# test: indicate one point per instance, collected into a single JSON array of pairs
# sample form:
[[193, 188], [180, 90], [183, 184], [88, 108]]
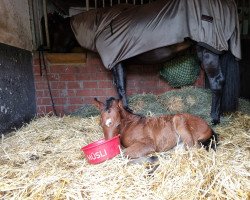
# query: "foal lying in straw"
[[142, 135]]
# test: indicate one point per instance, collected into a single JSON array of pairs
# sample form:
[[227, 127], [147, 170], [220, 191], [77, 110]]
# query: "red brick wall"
[[72, 86]]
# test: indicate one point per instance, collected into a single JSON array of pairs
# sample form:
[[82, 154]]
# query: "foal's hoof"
[[152, 170], [153, 159], [144, 160], [150, 162], [215, 121]]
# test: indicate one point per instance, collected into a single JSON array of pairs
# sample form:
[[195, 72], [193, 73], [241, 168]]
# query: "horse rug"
[[124, 31]]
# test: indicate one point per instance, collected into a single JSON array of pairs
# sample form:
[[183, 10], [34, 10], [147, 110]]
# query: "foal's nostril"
[[108, 136]]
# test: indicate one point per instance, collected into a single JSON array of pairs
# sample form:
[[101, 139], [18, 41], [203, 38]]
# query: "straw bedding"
[[43, 160]]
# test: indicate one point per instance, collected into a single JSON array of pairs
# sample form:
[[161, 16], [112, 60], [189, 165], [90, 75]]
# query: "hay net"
[[181, 71]]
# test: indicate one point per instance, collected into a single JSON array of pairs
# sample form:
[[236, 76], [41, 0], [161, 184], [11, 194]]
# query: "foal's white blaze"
[[108, 122]]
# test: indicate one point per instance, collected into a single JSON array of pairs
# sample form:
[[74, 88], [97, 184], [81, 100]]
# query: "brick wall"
[[72, 86]]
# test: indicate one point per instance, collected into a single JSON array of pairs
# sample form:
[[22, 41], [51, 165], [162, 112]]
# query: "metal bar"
[[111, 3], [134, 2], [46, 22], [38, 15], [141, 1], [103, 3], [95, 4], [32, 25], [87, 5]]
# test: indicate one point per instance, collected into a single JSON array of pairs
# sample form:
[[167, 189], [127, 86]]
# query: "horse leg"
[[230, 69], [119, 77], [216, 80]]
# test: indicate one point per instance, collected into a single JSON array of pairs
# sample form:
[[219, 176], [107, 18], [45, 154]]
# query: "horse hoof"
[[128, 109]]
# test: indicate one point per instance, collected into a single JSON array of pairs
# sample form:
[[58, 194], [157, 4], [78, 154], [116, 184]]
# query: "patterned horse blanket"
[[124, 31]]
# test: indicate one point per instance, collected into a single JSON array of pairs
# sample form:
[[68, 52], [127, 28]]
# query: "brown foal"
[[142, 135]]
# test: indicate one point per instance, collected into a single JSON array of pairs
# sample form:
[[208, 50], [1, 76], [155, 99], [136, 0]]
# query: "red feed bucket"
[[102, 150]]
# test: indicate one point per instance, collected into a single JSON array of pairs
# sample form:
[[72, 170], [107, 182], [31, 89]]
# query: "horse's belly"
[[160, 55]]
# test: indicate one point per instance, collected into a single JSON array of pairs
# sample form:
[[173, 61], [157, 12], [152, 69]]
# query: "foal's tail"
[[230, 94], [212, 142]]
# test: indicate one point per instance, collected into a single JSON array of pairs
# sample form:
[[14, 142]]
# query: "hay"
[[86, 111], [191, 99], [146, 104], [43, 161], [244, 106]]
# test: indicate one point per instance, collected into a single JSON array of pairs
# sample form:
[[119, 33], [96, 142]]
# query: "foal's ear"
[[98, 104], [120, 104]]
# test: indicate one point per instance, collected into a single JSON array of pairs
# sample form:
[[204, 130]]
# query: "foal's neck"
[[129, 116]]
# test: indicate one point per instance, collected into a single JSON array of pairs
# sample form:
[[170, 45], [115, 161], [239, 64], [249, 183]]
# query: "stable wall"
[[74, 85], [17, 91], [15, 24]]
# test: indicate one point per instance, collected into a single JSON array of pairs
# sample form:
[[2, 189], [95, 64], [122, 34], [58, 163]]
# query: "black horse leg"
[[212, 68], [119, 77]]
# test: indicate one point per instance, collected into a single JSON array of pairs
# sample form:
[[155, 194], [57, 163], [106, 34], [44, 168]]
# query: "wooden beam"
[[66, 58]]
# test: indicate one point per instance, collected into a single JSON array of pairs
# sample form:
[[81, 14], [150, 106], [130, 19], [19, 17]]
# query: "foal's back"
[[191, 128], [167, 131]]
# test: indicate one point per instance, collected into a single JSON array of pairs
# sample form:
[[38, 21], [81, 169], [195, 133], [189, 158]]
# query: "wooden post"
[[46, 22]]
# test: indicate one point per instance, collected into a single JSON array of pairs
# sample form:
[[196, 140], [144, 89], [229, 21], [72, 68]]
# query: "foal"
[[142, 135]]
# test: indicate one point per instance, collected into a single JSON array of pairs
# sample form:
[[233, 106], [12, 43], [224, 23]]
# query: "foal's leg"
[[140, 149], [212, 68], [180, 127], [119, 76]]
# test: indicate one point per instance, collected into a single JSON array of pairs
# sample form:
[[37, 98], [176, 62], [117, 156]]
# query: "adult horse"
[[142, 135], [155, 33]]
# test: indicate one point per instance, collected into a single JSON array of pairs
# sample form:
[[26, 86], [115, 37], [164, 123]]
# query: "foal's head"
[[110, 116]]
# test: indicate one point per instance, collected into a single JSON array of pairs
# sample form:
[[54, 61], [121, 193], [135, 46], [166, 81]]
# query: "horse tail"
[[230, 94], [212, 142]]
